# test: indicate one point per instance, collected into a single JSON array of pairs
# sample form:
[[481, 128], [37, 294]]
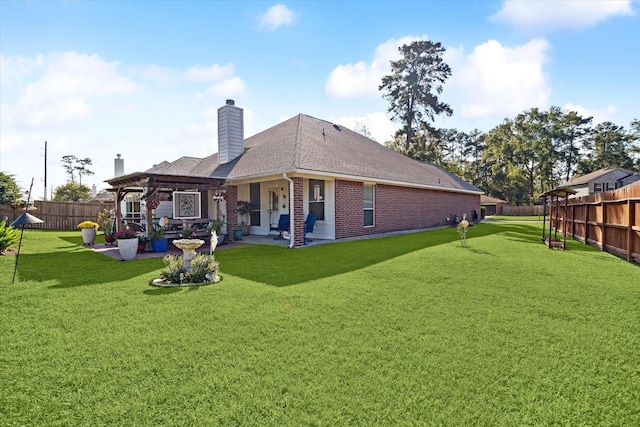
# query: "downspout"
[[292, 241]]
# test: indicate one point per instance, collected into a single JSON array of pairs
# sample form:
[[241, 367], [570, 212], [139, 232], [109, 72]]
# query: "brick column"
[[298, 210], [232, 202]]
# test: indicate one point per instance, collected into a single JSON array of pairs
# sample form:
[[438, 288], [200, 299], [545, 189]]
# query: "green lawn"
[[406, 330], [515, 218]]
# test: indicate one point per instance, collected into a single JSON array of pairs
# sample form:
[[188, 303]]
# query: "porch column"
[[298, 210], [232, 201]]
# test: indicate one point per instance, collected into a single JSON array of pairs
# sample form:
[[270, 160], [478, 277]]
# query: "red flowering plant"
[[125, 234]]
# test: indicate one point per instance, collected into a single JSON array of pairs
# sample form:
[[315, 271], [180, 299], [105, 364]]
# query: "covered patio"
[[155, 188]]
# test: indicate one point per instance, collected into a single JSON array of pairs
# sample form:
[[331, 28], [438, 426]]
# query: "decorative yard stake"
[[462, 230]]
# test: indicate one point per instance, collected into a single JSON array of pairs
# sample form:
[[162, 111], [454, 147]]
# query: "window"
[[254, 199], [368, 204], [611, 186], [316, 198], [597, 187], [132, 206]]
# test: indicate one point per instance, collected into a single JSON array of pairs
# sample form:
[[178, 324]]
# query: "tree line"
[[517, 160]]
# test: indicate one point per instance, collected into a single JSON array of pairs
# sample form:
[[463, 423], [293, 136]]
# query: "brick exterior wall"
[[232, 201], [398, 208], [298, 211]]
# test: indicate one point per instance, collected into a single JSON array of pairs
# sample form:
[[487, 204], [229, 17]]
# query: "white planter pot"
[[128, 248], [88, 235]]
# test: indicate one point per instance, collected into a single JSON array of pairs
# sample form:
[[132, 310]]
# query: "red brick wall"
[[232, 201], [298, 211], [398, 208]]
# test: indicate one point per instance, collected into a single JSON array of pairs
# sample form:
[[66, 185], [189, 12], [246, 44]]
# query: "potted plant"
[[187, 231], [143, 238], [88, 229], [107, 225], [244, 210], [127, 243], [158, 239], [217, 225]]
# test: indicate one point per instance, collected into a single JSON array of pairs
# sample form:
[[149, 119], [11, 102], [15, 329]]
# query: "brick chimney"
[[230, 132]]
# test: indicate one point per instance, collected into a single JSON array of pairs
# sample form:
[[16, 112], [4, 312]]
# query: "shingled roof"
[[585, 179], [306, 144]]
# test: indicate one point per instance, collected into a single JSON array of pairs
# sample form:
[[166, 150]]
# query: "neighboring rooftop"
[[585, 179]]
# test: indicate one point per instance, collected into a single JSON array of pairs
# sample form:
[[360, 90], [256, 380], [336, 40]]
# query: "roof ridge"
[[297, 144]]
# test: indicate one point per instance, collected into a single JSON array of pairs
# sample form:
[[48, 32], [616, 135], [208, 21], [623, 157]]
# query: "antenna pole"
[[45, 171]]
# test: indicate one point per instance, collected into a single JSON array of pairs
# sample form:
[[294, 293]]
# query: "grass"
[[515, 218], [405, 330]]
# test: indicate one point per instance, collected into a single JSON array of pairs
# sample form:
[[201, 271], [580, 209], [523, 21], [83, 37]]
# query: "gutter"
[[291, 222]]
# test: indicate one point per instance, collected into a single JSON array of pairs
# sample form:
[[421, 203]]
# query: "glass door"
[[274, 207]]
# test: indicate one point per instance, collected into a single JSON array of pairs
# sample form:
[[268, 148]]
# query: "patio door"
[[274, 207]]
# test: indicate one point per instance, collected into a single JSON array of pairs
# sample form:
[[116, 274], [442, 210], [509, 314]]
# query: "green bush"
[[8, 236], [172, 268], [202, 265]]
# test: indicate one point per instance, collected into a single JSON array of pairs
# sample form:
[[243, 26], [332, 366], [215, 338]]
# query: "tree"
[[610, 147], [635, 145], [9, 190], [72, 192], [571, 131], [414, 84], [72, 164], [82, 168], [68, 163]]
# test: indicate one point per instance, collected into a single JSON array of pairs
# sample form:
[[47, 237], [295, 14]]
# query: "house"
[[492, 205], [354, 185], [605, 179]]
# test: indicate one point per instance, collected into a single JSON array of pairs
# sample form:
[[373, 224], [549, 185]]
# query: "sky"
[[144, 79]]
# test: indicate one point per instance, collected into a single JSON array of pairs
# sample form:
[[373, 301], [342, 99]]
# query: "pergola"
[[559, 192], [156, 187]]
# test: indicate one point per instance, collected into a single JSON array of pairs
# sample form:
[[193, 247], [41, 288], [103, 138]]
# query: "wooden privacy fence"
[[522, 210], [58, 215], [609, 220]]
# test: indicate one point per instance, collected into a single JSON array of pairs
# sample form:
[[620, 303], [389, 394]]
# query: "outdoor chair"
[[309, 223], [283, 225], [135, 226]]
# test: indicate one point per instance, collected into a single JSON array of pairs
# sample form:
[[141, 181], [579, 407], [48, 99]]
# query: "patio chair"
[[309, 223], [283, 225], [135, 226]]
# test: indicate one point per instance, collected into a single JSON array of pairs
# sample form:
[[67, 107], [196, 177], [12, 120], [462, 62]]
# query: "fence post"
[[604, 223], [631, 212]]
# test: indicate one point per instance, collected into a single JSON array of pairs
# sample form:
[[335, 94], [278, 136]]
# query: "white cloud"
[[599, 116], [276, 17], [494, 81], [14, 68], [231, 87], [212, 73], [155, 73], [560, 13], [64, 91], [363, 79], [377, 125]]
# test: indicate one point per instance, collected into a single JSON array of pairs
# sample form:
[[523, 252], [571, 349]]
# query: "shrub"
[[204, 269], [204, 265], [173, 268], [8, 236]]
